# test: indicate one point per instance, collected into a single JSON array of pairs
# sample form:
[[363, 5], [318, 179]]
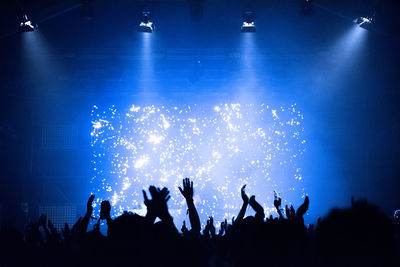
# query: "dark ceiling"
[[386, 11]]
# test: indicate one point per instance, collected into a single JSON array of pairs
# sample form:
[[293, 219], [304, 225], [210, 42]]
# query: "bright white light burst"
[[220, 148]]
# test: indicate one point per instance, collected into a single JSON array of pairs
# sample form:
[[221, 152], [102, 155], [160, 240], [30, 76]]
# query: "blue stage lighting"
[[146, 25], [248, 23], [26, 24], [365, 22]]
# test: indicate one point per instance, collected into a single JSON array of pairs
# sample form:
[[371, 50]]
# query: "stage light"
[[26, 24], [146, 25], [248, 23], [365, 22], [307, 7]]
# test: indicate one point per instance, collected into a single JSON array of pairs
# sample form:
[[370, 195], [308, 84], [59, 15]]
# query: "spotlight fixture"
[[26, 24], [248, 23], [306, 7], [146, 25], [365, 22]]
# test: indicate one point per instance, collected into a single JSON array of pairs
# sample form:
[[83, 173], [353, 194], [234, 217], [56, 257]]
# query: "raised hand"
[[257, 208], [164, 194], [159, 206], [158, 203], [303, 207], [277, 203], [85, 221], [302, 210], [163, 197], [211, 227], [255, 205], [89, 207], [151, 211], [290, 212], [146, 201], [222, 229], [187, 190], [187, 193], [245, 198]]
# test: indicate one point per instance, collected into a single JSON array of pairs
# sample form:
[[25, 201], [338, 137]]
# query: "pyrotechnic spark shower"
[[219, 147]]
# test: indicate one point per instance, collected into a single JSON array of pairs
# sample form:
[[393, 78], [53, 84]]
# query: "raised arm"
[[150, 214], [245, 199], [187, 193], [160, 198], [257, 208], [277, 204], [302, 210], [89, 209]]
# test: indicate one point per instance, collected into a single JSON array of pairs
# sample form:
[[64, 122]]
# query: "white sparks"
[[97, 125], [166, 124], [134, 108], [274, 114], [219, 147], [141, 162], [155, 139], [114, 199], [126, 184]]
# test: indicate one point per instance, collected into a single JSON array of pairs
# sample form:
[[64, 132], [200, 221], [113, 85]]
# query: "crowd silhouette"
[[360, 235]]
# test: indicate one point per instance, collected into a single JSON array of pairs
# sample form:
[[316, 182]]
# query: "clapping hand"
[[290, 212], [158, 203], [210, 228], [257, 207], [303, 207]]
